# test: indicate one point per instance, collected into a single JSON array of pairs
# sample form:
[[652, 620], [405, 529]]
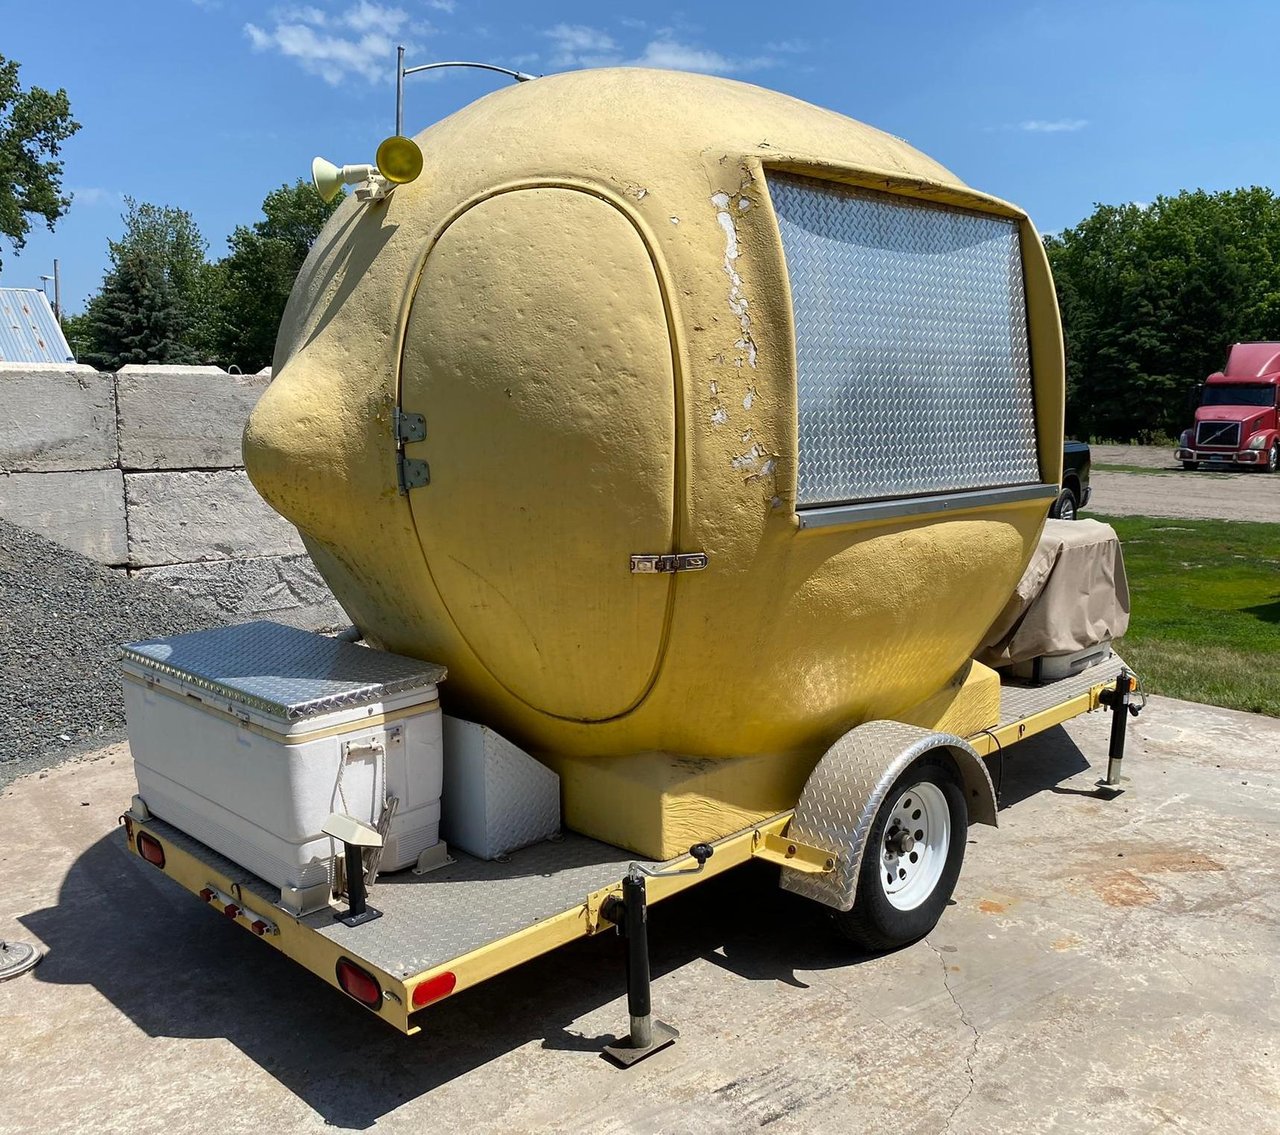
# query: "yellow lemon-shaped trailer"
[[653, 320]]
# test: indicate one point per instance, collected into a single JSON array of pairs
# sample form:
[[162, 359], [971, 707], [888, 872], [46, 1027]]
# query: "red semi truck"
[[1237, 421]]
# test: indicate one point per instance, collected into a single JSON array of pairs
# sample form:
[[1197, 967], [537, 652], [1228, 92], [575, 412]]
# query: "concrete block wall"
[[141, 471]]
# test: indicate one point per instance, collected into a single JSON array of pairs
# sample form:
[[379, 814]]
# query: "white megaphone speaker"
[[329, 178]]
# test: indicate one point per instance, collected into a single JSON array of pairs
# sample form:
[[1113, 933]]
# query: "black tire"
[[1191, 466], [875, 924], [1065, 507]]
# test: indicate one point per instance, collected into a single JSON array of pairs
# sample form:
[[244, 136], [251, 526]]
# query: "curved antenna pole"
[[402, 71]]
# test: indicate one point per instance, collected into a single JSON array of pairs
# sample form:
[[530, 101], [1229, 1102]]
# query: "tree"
[[1151, 299], [170, 239], [33, 126], [259, 272], [159, 260], [133, 318]]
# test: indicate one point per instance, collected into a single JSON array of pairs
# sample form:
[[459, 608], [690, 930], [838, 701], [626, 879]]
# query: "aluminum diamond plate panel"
[[432, 919], [843, 794], [287, 673], [1017, 702], [913, 365]]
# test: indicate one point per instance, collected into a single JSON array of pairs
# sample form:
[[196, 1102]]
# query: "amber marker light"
[[399, 159]]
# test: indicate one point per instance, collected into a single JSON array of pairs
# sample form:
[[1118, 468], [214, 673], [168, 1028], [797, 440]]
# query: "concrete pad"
[[81, 511], [181, 517], [184, 417], [1105, 965], [58, 417], [287, 589]]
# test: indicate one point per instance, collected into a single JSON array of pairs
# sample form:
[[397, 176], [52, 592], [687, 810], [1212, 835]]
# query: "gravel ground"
[[63, 619], [1202, 495]]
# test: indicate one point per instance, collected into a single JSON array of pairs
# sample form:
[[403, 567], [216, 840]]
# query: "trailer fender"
[[849, 783]]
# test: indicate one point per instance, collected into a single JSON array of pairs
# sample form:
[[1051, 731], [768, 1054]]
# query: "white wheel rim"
[[913, 850]]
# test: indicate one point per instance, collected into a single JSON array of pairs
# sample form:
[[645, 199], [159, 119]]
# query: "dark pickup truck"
[[1075, 481]]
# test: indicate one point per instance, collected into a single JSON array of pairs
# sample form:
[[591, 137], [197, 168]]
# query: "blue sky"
[[210, 104]]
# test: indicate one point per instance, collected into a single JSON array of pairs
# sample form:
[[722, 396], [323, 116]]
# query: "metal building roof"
[[28, 331]]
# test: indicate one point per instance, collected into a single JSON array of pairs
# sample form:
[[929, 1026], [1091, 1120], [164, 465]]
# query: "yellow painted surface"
[[551, 295], [967, 704], [659, 805]]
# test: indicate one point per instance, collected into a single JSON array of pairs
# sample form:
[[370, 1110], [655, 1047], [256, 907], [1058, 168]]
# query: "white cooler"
[[248, 737]]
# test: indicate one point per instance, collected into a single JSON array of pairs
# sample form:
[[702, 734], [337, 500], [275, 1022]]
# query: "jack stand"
[[631, 913], [358, 909], [1117, 700]]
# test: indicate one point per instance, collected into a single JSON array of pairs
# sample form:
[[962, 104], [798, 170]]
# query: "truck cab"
[[1237, 422]]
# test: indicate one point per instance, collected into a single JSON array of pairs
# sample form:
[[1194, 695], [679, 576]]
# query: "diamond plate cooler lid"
[[284, 672]]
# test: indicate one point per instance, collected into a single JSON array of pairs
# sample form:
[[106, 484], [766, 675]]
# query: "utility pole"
[[57, 293]]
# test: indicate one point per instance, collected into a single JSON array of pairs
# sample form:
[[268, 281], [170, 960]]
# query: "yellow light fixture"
[[399, 159]]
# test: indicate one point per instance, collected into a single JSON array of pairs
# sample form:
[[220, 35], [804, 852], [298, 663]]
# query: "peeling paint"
[[744, 204], [674, 220], [737, 301], [715, 388], [719, 416], [749, 398]]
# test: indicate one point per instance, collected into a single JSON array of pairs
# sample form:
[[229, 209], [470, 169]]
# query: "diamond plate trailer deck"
[[459, 925]]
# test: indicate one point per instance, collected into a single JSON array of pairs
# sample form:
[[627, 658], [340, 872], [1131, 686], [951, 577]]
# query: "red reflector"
[[231, 910], [433, 989], [358, 984], [207, 895], [258, 927], [150, 850]]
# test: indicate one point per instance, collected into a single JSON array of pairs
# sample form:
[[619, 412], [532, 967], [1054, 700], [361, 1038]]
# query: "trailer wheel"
[[912, 860]]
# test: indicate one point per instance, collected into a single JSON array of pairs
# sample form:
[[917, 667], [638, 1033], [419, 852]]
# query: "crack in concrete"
[[964, 1018]]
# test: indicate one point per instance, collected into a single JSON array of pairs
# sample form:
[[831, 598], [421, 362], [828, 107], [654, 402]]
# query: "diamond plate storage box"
[[497, 798], [248, 737]]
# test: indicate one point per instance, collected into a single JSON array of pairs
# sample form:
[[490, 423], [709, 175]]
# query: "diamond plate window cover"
[[913, 365]]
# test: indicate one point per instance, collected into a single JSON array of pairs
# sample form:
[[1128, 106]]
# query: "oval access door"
[[537, 350]]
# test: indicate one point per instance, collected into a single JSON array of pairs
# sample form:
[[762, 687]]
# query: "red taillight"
[[231, 910], [358, 984], [433, 989], [259, 927], [150, 849], [206, 894]]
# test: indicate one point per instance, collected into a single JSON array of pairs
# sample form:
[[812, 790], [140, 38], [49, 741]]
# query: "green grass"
[[1205, 621], [1229, 471]]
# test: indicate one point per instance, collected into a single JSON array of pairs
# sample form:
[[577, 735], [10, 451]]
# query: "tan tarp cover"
[[1073, 595]]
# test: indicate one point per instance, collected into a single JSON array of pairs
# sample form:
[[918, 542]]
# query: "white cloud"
[[94, 195], [576, 45], [674, 56], [446, 6], [359, 40], [1053, 126]]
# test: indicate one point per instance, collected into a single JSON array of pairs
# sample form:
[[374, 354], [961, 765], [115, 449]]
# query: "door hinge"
[[410, 427], [410, 473], [665, 565], [413, 474]]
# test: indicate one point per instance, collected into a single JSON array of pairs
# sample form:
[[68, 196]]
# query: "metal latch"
[[665, 565]]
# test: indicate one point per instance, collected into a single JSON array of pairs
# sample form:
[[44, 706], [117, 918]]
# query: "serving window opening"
[[912, 361]]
